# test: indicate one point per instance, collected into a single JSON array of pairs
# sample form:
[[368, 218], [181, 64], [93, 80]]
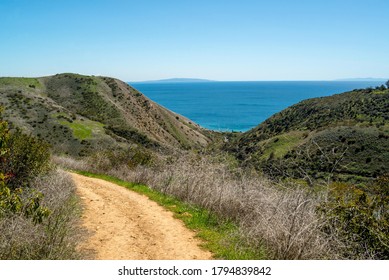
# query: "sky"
[[243, 40]]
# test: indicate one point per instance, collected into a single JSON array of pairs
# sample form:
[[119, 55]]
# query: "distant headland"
[[177, 80]]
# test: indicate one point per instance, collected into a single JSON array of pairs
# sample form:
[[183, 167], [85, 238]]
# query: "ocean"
[[239, 106]]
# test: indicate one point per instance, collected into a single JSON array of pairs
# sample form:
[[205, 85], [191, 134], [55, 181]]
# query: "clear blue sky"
[[213, 39]]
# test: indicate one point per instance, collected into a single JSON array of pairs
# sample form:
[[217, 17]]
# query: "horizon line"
[[201, 80]]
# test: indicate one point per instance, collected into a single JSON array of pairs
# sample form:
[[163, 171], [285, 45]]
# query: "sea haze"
[[239, 106]]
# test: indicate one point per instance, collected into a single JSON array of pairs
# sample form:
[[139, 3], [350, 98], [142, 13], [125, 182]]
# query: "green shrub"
[[18, 163], [22, 158], [132, 135], [360, 219], [27, 203]]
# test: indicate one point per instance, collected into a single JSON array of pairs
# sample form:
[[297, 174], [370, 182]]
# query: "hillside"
[[345, 136], [78, 114]]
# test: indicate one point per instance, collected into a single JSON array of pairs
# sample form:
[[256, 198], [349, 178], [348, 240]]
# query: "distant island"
[[176, 80]]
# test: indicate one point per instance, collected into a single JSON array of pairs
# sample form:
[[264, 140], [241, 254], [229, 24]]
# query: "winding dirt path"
[[126, 225]]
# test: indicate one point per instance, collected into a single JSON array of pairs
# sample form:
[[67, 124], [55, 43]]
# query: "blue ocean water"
[[239, 106]]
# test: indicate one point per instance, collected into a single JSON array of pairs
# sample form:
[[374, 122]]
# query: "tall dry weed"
[[56, 237]]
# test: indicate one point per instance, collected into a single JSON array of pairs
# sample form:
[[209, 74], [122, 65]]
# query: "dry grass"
[[278, 219], [56, 237]]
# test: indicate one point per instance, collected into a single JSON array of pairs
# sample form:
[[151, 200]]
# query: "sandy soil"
[[126, 225]]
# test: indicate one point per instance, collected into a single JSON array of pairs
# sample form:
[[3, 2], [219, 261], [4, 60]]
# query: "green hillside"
[[344, 136], [79, 114]]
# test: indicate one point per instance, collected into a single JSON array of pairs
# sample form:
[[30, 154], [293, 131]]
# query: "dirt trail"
[[126, 225]]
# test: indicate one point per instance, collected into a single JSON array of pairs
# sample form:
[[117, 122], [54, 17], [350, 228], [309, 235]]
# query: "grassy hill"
[[345, 136], [78, 114]]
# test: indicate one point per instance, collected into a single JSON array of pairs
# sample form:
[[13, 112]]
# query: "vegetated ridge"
[[78, 114], [345, 136]]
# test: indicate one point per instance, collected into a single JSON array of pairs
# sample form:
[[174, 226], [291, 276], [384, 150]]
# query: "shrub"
[[54, 237], [359, 219], [22, 157], [21, 202], [132, 135]]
